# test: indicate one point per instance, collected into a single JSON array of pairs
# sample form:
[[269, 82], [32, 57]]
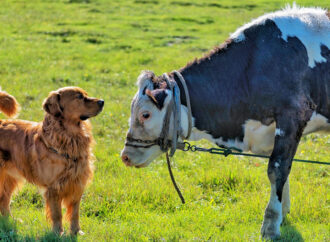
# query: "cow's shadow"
[[289, 232], [8, 232]]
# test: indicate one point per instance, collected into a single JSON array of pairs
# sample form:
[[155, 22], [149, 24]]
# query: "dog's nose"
[[126, 160], [100, 103]]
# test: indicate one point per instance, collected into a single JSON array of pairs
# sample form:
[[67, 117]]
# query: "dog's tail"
[[8, 104]]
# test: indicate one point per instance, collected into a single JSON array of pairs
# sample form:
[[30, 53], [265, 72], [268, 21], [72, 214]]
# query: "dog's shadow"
[[8, 232]]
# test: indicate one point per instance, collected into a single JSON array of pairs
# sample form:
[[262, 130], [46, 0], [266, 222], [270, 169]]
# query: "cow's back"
[[277, 64], [290, 57]]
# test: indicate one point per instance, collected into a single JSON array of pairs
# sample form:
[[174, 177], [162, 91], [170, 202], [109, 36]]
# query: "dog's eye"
[[80, 96]]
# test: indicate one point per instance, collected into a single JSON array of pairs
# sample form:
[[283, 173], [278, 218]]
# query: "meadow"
[[102, 46]]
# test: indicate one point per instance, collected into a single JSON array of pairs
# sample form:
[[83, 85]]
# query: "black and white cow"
[[260, 91]]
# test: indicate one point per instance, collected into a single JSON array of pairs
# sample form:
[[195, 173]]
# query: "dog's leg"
[[73, 215], [53, 210], [72, 204], [7, 187]]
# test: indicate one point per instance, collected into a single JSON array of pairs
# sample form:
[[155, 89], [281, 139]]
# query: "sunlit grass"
[[102, 46]]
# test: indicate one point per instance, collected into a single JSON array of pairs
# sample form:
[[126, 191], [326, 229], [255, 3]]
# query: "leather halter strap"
[[174, 110]]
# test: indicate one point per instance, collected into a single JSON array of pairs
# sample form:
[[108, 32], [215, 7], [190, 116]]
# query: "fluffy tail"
[[8, 104]]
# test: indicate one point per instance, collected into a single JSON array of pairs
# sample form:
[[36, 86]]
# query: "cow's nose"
[[100, 103], [126, 160]]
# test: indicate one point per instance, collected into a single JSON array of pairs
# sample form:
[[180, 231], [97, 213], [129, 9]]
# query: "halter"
[[174, 107]]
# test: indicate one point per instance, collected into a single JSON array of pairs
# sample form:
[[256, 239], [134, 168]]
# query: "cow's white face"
[[148, 110]]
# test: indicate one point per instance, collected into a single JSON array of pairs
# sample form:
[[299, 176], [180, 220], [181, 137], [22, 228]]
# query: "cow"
[[260, 91]]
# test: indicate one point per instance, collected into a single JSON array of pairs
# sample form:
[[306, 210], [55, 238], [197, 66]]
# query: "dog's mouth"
[[100, 110], [92, 114], [84, 117]]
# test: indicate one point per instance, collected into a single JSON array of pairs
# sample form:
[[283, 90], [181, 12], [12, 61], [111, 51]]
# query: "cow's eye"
[[80, 96], [145, 116]]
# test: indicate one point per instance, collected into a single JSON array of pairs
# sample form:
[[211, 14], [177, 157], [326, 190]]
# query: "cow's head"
[[148, 111]]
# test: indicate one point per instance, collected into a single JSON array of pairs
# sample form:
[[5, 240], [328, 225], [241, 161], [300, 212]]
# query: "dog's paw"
[[58, 231], [19, 220], [77, 231]]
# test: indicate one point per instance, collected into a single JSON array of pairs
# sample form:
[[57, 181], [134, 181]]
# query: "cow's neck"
[[195, 133], [213, 82]]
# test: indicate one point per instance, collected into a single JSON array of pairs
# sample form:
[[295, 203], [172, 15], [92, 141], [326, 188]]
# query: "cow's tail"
[[8, 104]]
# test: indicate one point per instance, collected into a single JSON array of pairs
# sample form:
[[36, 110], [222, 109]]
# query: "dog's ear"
[[52, 104]]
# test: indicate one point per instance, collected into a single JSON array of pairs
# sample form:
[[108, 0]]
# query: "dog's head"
[[72, 104]]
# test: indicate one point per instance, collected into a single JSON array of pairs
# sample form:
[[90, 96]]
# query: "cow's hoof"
[[285, 214], [270, 230], [285, 211]]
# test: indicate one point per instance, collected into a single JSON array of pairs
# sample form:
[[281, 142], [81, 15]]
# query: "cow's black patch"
[[253, 79], [160, 96], [318, 84]]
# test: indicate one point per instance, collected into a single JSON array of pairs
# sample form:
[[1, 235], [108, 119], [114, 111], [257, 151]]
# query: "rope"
[[186, 146], [173, 180], [229, 151]]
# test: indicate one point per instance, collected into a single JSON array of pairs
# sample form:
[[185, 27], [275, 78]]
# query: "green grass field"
[[102, 46]]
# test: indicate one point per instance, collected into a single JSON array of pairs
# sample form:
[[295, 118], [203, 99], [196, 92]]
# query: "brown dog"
[[54, 154]]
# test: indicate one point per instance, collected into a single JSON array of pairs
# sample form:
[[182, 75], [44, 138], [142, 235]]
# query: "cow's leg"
[[289, 131], [286, 198]]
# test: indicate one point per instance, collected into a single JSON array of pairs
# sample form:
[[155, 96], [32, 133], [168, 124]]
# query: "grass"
[[102, 46]]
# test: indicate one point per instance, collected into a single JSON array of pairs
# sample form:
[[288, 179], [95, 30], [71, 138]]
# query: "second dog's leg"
[[7, 187], [53, 210]]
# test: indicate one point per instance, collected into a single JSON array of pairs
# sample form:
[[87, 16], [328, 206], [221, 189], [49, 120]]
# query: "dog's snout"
[[100, 103]]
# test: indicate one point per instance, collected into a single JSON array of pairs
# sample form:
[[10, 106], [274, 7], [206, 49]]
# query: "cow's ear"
[[157, 96], [151, 96]]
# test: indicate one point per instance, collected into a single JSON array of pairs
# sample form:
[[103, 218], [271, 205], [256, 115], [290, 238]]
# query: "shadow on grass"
[[289, 232], [8, 232]]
